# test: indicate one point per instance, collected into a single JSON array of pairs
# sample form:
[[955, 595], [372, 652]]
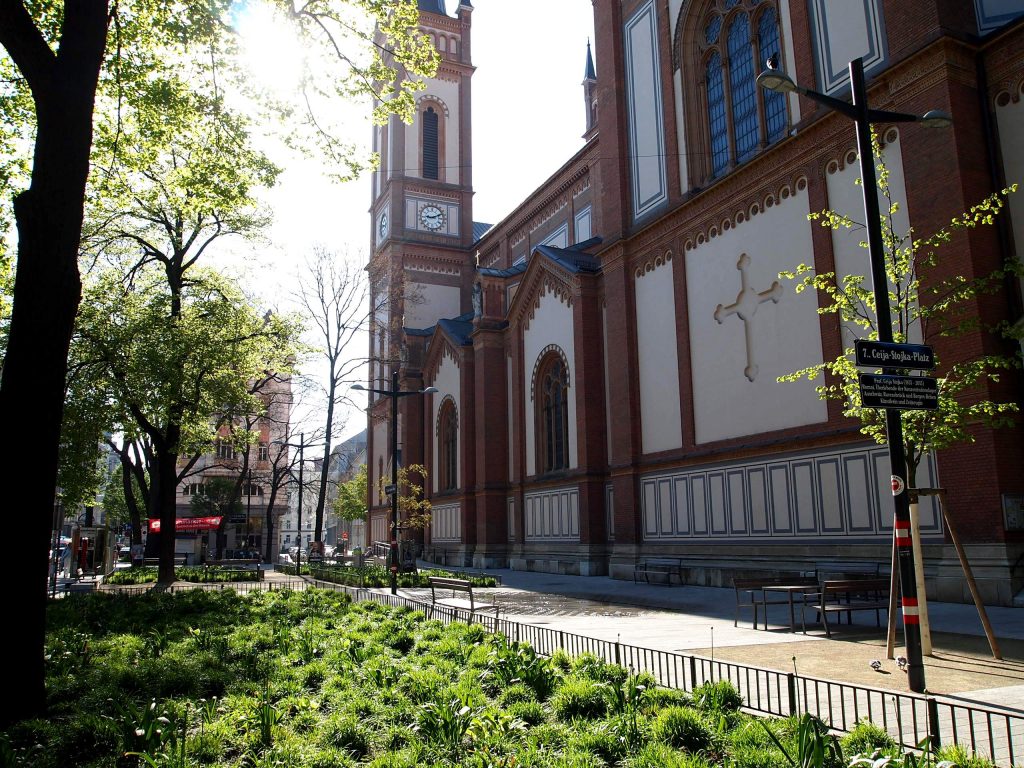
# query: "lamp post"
[[394, 393], [863, 116], [248, 508]]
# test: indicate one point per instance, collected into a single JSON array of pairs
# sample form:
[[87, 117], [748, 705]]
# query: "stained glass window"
[[774, 103], [738, 38], [554, 415], [741, 86], [717, 123]]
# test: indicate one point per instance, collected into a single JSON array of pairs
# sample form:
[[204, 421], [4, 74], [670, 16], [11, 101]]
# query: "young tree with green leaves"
[[351, 501], [924, 306], [169, 363]]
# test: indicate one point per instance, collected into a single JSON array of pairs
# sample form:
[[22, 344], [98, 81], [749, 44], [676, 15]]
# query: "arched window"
[[552, 388], [448, 447], [430, 143], [720, 51]]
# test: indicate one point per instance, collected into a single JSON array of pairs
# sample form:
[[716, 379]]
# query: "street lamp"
[[394, 393], [863, 116]]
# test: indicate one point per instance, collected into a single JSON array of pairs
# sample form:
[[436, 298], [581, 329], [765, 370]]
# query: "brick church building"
[[606, 358]]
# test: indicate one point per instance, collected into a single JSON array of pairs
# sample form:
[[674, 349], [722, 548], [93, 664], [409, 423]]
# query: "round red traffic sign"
[[897, 485]]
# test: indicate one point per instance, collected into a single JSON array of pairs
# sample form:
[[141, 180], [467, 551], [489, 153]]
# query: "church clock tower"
[[422, 231]]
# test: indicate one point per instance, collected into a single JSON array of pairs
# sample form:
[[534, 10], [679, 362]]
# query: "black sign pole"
[[893, 422]]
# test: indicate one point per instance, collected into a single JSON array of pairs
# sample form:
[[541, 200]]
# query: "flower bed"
[[310, 680], [201, 574]]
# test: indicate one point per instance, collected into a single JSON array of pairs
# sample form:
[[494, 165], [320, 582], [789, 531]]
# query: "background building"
[[607, 355]]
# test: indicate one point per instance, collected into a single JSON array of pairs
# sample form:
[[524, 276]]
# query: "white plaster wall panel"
[[860, 517], [582, 223], [699, 504], [673, 12], [448, 94], [682, 520], [737, 508], [446, 523], [830, 499], [845, 197], [716, 486], [1010, 122], [379, 529], [551, 324], [559, 238], [783, 336], [650, 509], [665, 505], [757, 501], [644, 111], [834, 494], [430, 303], [447, 381], [844, 30], [660, 421], [992, 14], [552, 514], [781, 507]]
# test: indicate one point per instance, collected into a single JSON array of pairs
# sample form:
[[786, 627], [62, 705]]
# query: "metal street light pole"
[[298, 550], [863, 116], [394, 393], [248, 509]]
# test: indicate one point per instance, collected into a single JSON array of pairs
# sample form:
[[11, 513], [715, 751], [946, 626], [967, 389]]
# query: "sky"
[[528, 119]]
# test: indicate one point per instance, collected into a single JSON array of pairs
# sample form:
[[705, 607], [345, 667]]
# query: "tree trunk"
[[326, 467], [165, 486], [47, 291]]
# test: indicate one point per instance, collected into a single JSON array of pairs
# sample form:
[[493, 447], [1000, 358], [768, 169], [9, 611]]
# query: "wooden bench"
[[755, 593], [457, 586], [154, 562], [243, 563], [848, 595], [662, 566]]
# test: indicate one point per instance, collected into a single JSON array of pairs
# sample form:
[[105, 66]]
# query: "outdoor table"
[[789, 590]]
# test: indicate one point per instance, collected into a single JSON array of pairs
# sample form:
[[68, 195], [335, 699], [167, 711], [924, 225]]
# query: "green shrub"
[[530, 712], [579, 699], [593, 667], [866, 737], [961, 758], [684, 728], [720, 696], [344, 732], [516, 693], [657, 755], [655, 699], [600, 741]]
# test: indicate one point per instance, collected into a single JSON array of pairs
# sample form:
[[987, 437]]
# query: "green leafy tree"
[[217, 496], [351, 501], [926, 306], [64, 68], [169, 363], [413, 508]]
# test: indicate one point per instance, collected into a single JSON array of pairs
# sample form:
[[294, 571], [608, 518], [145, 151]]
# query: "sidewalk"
[[699, 620]]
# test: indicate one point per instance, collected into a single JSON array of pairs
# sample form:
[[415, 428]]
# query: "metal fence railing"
[[997, 734]]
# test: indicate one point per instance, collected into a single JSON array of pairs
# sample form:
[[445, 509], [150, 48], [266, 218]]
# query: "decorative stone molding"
[[651, 263], [427, 99], [710, 228], [550, 348], [440, 347], [440, 408]]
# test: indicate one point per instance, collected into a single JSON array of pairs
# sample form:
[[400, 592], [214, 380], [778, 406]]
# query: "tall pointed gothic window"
[[552, 387], [448, 447], [731, 43], [430, 144]]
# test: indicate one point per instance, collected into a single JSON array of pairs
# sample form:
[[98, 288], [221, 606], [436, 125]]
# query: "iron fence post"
[[791, 687], [934, 736]]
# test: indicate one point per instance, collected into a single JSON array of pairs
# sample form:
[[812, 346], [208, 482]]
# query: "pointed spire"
[[588, 73]]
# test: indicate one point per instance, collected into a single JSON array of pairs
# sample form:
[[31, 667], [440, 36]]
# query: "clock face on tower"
[[431, 217], [382, 227]]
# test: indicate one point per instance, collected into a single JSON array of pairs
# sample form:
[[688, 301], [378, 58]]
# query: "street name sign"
[[886, 354], [901, 393]]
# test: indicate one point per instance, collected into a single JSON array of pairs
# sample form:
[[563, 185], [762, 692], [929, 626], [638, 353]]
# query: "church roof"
[[433, 6], [573, 259], [458, 328], [480, 229]]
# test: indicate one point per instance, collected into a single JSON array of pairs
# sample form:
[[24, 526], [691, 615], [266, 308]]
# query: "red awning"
[[189, 524]]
